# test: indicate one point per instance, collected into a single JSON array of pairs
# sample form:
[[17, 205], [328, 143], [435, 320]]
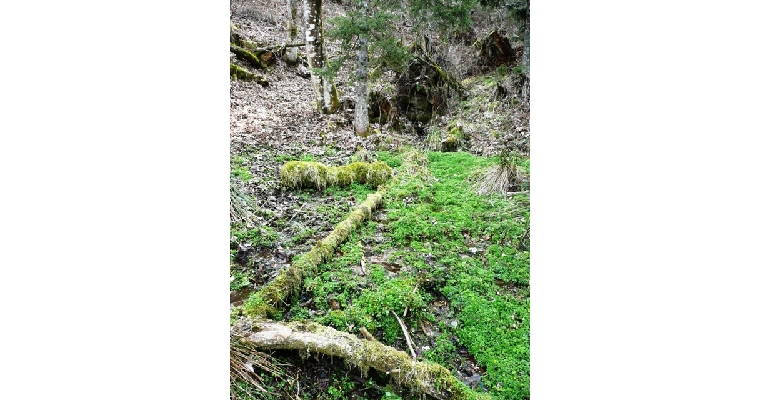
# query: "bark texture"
[[291, 11], [526, 49], [361, 117], [325, 92], [238, 72], [312, 338]]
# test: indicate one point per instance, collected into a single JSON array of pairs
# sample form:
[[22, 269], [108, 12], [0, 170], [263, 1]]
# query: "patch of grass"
[[374, 307], [340, 387], [301, 236], [393, 159], [473, 241], [239, 168], [357, 190], [449, 242], [285, 158], [444, 350], [240, 280], [338, 284], [262, 236]]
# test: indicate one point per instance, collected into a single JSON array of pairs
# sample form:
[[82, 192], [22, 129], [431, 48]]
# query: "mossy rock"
[[424, 89], [451, 143], [306, 174]]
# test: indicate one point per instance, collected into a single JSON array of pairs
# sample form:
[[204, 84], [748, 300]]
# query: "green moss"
[[289, 281], [238, 72], [378, 174], [246, 55], [450, 143], [308, 174]]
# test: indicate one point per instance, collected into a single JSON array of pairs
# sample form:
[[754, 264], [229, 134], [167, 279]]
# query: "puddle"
[[239, 296]]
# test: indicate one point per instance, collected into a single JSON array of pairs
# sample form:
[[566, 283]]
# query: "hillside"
[[439, 268]]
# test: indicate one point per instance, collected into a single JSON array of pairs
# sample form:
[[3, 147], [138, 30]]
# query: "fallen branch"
[[288, 282], [367, 335], [238, 72], [406, 335], [246, 55], [312, 338], [278, 47]]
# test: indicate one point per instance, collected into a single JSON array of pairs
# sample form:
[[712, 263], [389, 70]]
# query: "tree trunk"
[[324, 89], [429, 378], [291, 53], [526, 49], [361, 119]]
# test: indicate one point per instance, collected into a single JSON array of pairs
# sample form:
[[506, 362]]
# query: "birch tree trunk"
[[291, 53], [325, 91], [526, 49], [361, 119]]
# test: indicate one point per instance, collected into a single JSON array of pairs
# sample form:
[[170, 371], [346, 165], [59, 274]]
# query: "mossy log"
[[303, 174], [238, 72], [238, 38], [312, 338], [288, 282], [278, 47], [246, 55]]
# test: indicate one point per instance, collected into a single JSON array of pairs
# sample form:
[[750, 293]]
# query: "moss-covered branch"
[[425, 377], [289, 281], [246, 55], [301, 174], [238, 72]]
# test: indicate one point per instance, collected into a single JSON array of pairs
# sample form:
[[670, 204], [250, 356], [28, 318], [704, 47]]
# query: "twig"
[[280, 46], [406, 335], [413, 292], [366, 334]]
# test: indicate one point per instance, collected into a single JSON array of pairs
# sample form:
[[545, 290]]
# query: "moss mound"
[[306, 174]]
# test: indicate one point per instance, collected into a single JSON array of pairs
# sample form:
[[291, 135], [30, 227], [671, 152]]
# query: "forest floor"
[[452, 264]]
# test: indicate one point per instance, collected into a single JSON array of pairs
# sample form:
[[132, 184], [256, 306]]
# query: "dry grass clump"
[[505, 178], [246, 363], [240, 205]]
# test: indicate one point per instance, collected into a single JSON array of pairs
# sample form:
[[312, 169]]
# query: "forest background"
[[111, 163]]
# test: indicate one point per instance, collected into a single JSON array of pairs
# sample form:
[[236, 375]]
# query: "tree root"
[[310, 337]]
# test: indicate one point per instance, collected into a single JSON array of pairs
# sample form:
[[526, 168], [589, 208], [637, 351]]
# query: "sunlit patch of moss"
[[309, 174]]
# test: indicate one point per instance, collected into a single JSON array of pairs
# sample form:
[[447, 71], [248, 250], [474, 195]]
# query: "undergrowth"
[[448, 242]]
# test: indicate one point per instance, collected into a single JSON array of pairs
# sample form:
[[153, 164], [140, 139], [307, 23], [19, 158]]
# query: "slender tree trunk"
[[361, 119], [526, 49], [325, 91], [291, 53]]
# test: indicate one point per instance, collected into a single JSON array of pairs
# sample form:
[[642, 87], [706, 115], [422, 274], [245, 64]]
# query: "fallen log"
[[312, 338], [246, 55], [238, 72], [278, 47], [286, 283]]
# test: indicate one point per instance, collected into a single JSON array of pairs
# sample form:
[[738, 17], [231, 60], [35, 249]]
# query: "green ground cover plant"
[[452, 244]]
